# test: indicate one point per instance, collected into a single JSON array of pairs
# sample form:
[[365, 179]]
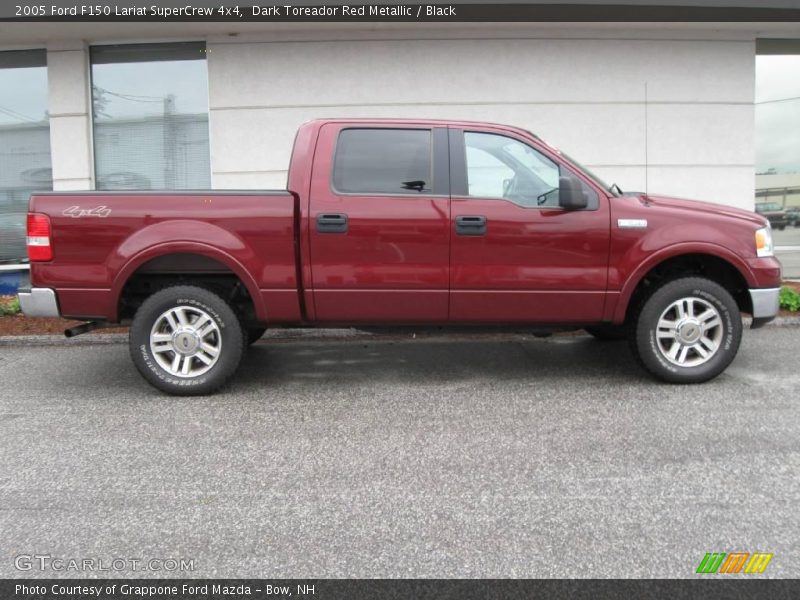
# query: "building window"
[[24, 144], [383, 161], [777, 107], [150, 113]]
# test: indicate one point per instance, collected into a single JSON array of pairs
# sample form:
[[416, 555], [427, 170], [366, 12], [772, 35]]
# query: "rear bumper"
[[38, 302], [765, 306]]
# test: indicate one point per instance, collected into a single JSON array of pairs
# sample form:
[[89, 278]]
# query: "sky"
[[778, 123], [23, 92], [145, 85], [23, 95]]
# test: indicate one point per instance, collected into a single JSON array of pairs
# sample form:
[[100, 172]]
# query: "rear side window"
[[383, 161]]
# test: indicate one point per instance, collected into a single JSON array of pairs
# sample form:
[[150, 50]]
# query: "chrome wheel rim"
[[689, 332], [185, 341]]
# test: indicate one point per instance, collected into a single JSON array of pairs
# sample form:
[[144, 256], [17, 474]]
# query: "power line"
[[130, 97], [17, 115], [778, 100]]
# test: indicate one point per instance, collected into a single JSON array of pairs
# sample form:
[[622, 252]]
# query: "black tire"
[[650, 350], [226, 337], [606, 332], [254, 334]]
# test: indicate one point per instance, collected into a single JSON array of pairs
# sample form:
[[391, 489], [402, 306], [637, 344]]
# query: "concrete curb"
[[784, 322], [90, 339], [286, 335]]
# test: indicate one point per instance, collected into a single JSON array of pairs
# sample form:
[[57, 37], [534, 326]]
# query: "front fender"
[[683, 248]]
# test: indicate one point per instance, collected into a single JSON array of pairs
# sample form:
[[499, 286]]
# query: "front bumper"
[[38, 302], [765, 306]]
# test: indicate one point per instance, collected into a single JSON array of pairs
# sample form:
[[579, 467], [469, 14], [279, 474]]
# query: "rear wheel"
[[186, 340], [687, 331], [254, 334]]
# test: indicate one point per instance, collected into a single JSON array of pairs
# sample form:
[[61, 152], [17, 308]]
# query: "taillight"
[[38, 240]]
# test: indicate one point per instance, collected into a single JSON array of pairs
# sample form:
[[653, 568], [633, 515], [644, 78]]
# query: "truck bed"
[[99, 239]]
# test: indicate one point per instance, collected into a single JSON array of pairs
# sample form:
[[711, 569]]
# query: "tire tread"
[[636, 332], [234, 329]]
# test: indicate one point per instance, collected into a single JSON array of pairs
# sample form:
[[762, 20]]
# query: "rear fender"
[[171, 237]]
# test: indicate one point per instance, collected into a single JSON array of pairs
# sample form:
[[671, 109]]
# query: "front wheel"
[[687, 331], [186, 340]]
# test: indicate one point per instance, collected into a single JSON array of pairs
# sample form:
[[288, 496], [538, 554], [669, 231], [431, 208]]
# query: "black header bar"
[[710, 588], [198, 10]]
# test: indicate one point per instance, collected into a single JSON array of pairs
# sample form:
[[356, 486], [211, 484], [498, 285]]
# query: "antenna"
[[646, 161]]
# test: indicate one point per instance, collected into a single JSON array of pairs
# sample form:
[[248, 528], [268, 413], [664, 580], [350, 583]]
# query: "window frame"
[[26, 58], [439, 161], [459, 180], [119, 53]]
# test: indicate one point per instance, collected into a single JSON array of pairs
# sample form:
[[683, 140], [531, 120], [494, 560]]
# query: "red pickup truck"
[[397, 222]]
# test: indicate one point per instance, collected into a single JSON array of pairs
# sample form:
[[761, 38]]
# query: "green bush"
[[9, 305], [790, 299]]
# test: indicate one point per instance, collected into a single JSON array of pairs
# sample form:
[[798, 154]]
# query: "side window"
[[502, 167], [486, 174], [383, 161]]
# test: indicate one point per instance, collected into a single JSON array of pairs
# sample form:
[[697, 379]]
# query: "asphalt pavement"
[[506, 456]]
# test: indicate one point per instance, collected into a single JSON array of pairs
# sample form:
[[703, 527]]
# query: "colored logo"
[[734, 562]]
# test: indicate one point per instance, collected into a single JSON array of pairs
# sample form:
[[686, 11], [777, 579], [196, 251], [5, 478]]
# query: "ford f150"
[[396, 222]]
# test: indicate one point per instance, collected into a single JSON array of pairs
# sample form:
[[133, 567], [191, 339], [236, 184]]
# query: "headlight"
[[764, 245]]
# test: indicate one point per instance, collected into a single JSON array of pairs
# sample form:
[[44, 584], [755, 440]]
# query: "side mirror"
[[570, 193]]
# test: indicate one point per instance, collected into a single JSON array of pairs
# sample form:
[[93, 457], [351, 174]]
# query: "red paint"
[[395, 253], [400, 260], [534, 265]]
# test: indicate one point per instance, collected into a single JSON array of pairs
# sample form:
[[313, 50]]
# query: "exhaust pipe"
[[83, 328]]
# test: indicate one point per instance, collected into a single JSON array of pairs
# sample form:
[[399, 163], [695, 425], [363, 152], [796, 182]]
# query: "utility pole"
[[170, 129]]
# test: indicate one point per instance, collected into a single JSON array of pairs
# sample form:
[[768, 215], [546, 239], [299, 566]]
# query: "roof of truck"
[[427, 122]]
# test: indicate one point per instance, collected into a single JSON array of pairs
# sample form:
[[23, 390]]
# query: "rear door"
[[379, 220], [516, 255]]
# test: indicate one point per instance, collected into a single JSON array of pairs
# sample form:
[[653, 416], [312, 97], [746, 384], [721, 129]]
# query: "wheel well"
[[698, 265], [185, 269]]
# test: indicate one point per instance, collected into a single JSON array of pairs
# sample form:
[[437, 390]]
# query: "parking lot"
[[505, 456], [788, 251]]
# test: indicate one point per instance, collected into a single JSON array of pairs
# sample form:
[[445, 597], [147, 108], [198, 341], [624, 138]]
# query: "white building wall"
[[585, 96], [69, 98]]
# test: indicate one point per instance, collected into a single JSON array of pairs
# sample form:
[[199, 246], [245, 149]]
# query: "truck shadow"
[[438, 360]]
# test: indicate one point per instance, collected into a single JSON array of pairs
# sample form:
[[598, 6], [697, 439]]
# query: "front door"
[[379, 224], [516, 255]]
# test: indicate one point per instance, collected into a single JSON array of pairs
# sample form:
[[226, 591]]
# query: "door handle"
[[471, 225], [332, 223]]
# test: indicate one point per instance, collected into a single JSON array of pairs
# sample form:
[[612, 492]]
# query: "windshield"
[[594, 177]]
